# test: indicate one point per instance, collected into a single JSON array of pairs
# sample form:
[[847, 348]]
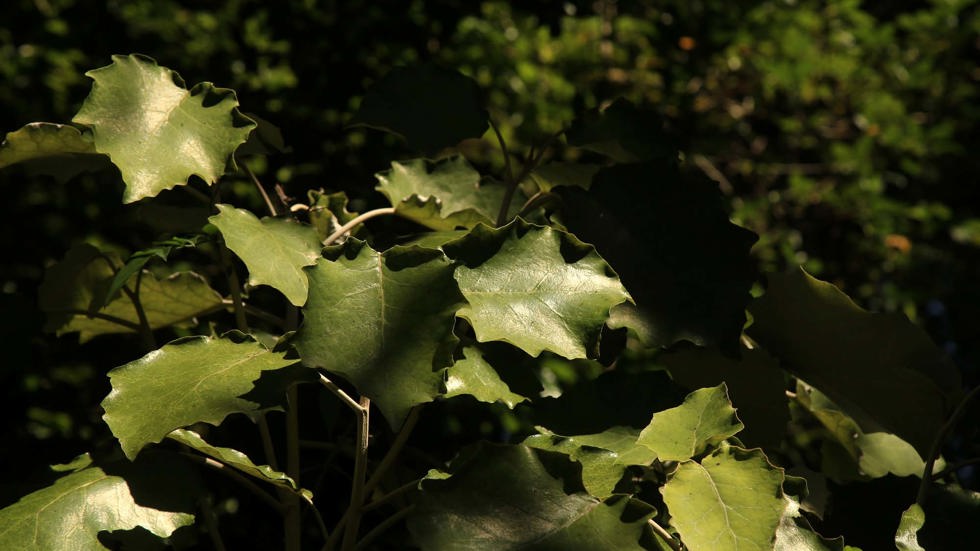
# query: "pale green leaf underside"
[[240, 461], [384, 321], [191, 380], [443, 196], [705, 418], [527, 294], [157, 132], [473, 376], [57, 150], [274, 250], [171, 301], [731, 501], [68, 515], [906, 538]]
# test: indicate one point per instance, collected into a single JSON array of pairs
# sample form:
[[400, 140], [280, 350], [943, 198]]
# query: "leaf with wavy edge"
[[474, 376], [274, 250], [69, 514], [239, 461], [706, 418], [731, 501], [190, 380], [384, 321], [535, 287], [58, 150], [156, 131]]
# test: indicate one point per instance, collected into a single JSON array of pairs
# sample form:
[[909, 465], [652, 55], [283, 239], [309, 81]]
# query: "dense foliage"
[[551, 308]]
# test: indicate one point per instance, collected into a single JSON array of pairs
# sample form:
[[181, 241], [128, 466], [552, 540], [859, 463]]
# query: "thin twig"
[[263, 315], [265, 196], [508, 169], [360, 470], [211, 521], [97, 315], [536, 200], [146, 332], [711, 171], [403, 489], [955, 467], [665, 535], [394, 450], [234, 284], [937, 444], [267, 446], [339, 392], [292, 520], [382, 527], [357, 220]]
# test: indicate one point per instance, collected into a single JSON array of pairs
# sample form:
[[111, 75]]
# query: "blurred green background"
[[844, 133]]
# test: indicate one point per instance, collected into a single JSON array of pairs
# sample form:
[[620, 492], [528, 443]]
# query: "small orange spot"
[[898, 242], [686, 43], [873, 130]]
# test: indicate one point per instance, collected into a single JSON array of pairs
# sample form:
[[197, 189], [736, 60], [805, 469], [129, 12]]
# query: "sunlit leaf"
[[906, 538], [504, 497], [473, 376], [756, 385], [731, 501], [600, 469], [57, 150], [156, 131], [69, 514], [535, 287], [274, 250], [191, 380], [795, 533], [879, 368], [431, 107], [238, 460], [382, 320], [706, 418]]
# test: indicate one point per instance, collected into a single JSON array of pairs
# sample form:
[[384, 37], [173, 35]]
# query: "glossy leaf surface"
[[274, 250], [474, 376], [706, 418], [156, 131], [384, 321], [191, 380]]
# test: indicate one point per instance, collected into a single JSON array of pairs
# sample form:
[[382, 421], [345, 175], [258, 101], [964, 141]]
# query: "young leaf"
[[504, 497], [670, 240], [906, 537], [431, 107], [706, 418], [190, 380], [68, 515], [171, 301], [474, 376], [274, 250], [535, 287], [732, 500], [240, 461], [444, 195], [57, 150], [156, 131], [755, 382], [382, 320], [879, 368]]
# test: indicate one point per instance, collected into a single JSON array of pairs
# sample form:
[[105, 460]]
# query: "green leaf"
[[156, 131], [706, 418], [444, 195], [535, 287], [240, 461], [473, 376], [874, 454], [906, 537], [601, 470], [78, 282], [504, 497], [795, 533], [879, 368], [554, 174], [431, 107], [136, 261], [171, 301], [57, 150], [685, 264], [328, 212], [274, 250], [732, 500], [623, 132], [68, 515], [190, 380], [755, 382], [382, 320]]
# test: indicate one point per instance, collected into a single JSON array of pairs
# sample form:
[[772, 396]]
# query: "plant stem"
[[937, 444], [292, 521], [146, 333], [665, 535], [538, 199], [382, 527], [263, 315], [534, 159], [240, 478], [360, 470], [357, 220], [258, 185], [955, 467], [339, 392], [211, 521], [235, 287], [98, 315], [395, 449], [403, 489], [267, 446]]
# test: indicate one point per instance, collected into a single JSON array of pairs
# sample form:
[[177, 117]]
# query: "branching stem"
[[937, 444], [360, 470], [665, 535], [358, 220]]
